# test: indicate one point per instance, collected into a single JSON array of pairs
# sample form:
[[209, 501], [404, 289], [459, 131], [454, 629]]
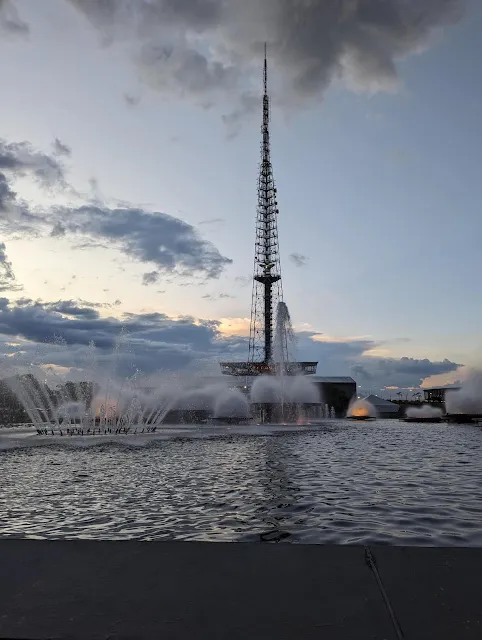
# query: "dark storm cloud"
[[310, 41], [7, 277], [298, 259]]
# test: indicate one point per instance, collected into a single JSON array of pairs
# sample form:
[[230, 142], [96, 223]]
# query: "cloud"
[[171, 244], [7, 195], [75, 309], [11, 25], [196, 48], [349, 356], [131, 100], [451, 377], [401, 372], [150, 278], [298, 259], [153, 341], [243, 281], [221, 296], [20, 159], [7, 277], [212, 221], [168, 242], [58, 230], [61, 149]]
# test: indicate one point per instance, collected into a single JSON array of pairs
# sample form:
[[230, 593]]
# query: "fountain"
[[104, 403], [361, 410], [284, 399], [279, 393], [232, 406], [127, 408], [426, 413]]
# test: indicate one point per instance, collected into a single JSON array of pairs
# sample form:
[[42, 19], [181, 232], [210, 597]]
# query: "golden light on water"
[[360, 412], [361, 409]]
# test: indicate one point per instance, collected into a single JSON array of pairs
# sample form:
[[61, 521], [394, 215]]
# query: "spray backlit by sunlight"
[[361, 409]]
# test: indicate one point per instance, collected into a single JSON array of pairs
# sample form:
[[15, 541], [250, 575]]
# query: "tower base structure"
[[268, 368]]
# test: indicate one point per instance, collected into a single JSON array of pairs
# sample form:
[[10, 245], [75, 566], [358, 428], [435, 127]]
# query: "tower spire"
[[265, 70], [267, 288]]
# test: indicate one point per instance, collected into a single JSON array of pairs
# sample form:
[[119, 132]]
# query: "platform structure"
[[268, 337], [462, 418], [268, 368]]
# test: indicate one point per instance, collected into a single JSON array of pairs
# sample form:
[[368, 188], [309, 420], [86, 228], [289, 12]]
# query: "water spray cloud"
[[361, 409], [467, 399], [427, 411]]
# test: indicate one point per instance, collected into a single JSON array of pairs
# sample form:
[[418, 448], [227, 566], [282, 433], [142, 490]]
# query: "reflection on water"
[[382, 482]]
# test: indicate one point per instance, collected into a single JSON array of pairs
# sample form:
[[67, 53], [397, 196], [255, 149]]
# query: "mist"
[[467, 399], [361, 409], [427, 411]]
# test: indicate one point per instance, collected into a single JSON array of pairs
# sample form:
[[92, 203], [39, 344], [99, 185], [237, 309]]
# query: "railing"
[[264, 368]]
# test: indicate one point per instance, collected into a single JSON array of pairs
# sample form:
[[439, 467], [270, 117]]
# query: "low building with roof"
[[384, 408], [436, 395], [336, 392]]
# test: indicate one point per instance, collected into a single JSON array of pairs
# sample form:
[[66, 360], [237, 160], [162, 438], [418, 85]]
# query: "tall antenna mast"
[[265, 71], [267, 287]]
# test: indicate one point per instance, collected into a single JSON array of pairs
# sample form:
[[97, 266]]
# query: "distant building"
[[436, 395], [384, 408], [336, 391]]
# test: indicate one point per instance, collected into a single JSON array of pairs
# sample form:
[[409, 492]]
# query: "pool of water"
[[342, 482]]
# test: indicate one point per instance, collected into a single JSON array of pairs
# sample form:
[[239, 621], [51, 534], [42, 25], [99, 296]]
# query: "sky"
[[129, 150]]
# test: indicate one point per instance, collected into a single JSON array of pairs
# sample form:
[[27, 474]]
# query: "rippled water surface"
[[384, 482]]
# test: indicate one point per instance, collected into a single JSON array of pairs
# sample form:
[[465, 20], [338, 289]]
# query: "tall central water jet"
[[270, 332]]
